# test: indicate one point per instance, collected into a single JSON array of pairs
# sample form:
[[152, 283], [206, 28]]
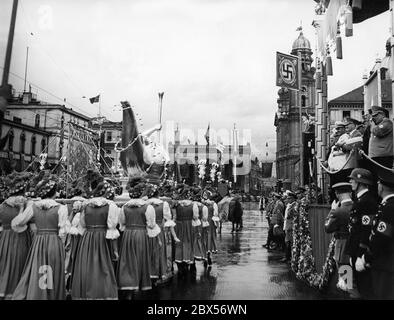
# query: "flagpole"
[[301, 147], [234, 156], [100, 128], [207, 155]]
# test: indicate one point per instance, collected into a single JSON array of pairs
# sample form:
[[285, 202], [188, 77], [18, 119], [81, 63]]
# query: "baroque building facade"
[[288, 122]]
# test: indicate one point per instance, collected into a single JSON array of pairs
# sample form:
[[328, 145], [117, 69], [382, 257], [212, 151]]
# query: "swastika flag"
[[287, 71]]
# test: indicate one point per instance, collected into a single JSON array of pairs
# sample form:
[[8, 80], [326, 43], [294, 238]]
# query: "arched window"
[[22, 142], [11, 141], [43, 144], [33, 145], [37, 121]]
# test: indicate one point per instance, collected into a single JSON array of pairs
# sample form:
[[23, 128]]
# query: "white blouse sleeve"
[[167, 215], [112, 221], [76, 228], [196, 221], [19, 223], [215, 212], [63, 224], [152, 227], [122, 220], [82, 224], [205, 222]]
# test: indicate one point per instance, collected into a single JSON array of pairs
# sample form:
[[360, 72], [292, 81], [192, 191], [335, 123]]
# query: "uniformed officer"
[[365, 207], [337, 222], [380, 255], [381, 139]]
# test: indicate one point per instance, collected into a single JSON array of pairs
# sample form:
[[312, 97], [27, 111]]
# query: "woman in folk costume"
[[166, 195], [14, 247], [78, 195], [199, 249], [158, 244], [138, 222], [93, 274], [186, 212], [43, 273], [213, 221]]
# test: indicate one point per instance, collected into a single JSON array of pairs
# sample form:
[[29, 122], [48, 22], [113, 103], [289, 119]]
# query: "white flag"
[[220, 147]]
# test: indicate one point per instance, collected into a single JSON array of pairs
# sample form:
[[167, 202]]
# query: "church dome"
[[301, 43]]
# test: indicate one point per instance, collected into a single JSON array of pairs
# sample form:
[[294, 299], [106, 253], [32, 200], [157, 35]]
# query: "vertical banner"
[[371, 94], [287, 71]]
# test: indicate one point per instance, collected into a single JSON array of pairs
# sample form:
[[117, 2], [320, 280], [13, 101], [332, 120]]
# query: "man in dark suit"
[[364, 209], [380, 254]]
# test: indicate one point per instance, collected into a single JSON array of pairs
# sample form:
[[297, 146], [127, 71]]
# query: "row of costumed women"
[[93, 248]]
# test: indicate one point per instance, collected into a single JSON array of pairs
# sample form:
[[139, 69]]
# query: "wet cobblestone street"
[[242, 269]]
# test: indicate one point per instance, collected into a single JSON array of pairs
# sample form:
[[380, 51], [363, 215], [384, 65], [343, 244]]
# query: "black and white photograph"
[[215, 152]]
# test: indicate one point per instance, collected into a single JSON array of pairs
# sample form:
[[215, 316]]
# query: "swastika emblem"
[[366, 220], [287, 71], [382, 226]]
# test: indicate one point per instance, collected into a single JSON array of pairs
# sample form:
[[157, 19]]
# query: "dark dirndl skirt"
[[134, 265], [184, 249], [211, 246], [158, 255], [43, 274], [198, 248], [14, 249], [93, 274]]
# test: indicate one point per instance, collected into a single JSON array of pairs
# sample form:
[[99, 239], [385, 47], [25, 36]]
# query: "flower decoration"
[[302, 261], [46, 186], [214, 168], [43, 160], [201, 168]]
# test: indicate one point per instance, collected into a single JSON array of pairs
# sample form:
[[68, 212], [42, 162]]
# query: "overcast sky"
[[213, 59]]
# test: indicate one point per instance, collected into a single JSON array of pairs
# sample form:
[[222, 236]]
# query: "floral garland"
[[214, 168], [201, 168], [303, 262]]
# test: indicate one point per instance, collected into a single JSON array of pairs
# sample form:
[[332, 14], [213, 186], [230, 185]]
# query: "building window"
[[345, 114], [241, 150], [303, 101], [37, 121], [17, 120], [33, 145], [22, 142], [109, 135], [11, 141], [43, 144]]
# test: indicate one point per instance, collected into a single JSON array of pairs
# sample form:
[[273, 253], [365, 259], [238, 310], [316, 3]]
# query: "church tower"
[[287, 122]]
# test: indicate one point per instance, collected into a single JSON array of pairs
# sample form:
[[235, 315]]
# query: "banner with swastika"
[[287, 71]]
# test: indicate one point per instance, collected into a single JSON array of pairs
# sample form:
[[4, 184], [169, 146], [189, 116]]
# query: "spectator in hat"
[[381, 139], [337, 223], [290, 213], [277, 220], [364, 208], [380, 254]]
